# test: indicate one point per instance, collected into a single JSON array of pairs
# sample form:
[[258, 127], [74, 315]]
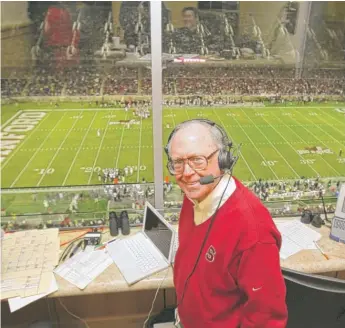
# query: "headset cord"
[[203, 243]]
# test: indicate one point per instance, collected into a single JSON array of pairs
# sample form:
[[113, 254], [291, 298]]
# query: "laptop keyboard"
[[144, 258], [175, 247]]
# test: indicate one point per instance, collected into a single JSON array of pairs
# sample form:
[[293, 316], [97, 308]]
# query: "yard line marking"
[[328, 114], [234, 117], [317, 173], [99, 148], [11, 119], [138, 166], [36, 152], [27, 137], [332, 127], [308, 131], [233, 140], [325, 132], [185, 109], [79, 149], [272, 145], [119, 149], [173, 118], [58, 150], [292, 107], [78, 109]]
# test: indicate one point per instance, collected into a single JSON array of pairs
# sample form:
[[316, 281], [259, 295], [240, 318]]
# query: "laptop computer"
[[338, 221], [146, 252]]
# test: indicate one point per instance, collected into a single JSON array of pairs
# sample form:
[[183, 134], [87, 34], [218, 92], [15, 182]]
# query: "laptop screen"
[[158, 232]]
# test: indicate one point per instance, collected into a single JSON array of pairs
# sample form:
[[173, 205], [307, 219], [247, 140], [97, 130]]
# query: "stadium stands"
[[85, 80]]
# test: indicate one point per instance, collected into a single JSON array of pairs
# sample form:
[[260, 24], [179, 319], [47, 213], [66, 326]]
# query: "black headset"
[[225, 157]]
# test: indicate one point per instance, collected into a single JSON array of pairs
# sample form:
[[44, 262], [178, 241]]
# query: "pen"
[[322, 252], [105, 243], [110, 241]]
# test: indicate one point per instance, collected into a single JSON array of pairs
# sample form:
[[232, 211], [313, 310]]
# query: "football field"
[[46, 146]]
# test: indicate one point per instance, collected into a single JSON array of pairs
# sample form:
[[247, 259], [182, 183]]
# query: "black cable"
[[68, 248], [48, 306], [164, 298], [324, 208], [56, 313], [76, 248], [65, 250], [204, 242]]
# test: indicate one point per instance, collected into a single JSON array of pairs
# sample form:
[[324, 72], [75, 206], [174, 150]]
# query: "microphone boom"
[[209, 179]]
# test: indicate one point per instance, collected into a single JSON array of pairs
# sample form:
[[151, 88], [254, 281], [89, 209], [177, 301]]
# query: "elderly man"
[[227, 271]]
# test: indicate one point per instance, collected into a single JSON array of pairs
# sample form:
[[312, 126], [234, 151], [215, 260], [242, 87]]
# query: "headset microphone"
[[209, 179]]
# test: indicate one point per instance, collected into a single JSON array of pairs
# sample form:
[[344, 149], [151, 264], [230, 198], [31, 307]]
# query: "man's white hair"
[[214, 132]]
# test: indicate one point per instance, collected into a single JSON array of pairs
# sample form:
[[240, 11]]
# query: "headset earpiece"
[[225, 158], [166, 148]]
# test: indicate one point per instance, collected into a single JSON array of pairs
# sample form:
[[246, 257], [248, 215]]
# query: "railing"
[[85, 206]]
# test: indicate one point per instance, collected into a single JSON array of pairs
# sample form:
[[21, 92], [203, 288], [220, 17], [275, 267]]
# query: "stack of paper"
[[84, 267], [296, 236], [17, 303], [28, 261]]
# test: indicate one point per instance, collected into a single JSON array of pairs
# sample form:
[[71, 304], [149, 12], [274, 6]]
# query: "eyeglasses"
[[197, 163]]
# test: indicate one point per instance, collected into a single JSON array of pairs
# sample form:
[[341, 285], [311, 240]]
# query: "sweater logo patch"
[[210, 254]]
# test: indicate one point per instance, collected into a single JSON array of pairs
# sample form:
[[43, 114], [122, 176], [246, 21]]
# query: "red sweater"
[[238, 281]]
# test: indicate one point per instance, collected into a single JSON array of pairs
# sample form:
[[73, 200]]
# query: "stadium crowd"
[[266, 190], [89, 81]]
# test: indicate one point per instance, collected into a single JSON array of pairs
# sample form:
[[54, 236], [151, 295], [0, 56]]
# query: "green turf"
[[64, 148]]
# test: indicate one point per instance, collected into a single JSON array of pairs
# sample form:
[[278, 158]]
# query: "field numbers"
[[91, 169], [287, 114], [259, 114], [135, 168], [98, 169], [341, 160], [307, 161], [268, 163], [170, 115], [313, 114], [45, 171], [109, 116], [77, 116], [231, 114]]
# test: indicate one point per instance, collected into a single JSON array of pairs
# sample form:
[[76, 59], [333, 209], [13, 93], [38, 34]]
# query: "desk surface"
[[111, 280]]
